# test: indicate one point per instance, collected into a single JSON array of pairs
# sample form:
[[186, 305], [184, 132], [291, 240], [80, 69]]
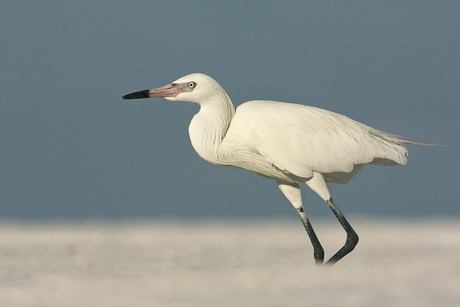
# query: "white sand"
[[399, 263]]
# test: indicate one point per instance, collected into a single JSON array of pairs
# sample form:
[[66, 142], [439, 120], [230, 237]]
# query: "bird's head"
[[193, 88]]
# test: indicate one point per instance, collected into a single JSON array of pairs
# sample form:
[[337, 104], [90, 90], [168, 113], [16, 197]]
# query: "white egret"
[[290, 143]]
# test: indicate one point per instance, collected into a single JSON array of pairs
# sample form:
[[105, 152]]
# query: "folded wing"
[[299, 139]]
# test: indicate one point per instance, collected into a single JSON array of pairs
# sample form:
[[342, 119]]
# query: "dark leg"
[[292, 193], [352, 237], [318, 251]]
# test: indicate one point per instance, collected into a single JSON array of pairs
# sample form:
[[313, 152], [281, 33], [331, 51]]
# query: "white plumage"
[[290, 143], [300, 140]]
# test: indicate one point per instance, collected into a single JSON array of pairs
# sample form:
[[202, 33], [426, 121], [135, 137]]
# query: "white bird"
[[290, 143]]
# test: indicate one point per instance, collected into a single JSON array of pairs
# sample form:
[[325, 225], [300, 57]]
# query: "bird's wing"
[[300, 139]]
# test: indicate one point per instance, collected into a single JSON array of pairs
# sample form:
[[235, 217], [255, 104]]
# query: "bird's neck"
[[209, 126]]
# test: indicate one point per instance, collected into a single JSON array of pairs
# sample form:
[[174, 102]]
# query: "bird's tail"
[[401, 140]]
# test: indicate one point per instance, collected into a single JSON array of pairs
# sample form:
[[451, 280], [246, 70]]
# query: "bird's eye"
[[192, 85]]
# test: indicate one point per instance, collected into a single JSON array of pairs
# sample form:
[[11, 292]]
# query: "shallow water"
[[227, 263]]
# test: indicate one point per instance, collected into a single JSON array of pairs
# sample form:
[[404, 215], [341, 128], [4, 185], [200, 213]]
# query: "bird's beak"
[[169, 90]]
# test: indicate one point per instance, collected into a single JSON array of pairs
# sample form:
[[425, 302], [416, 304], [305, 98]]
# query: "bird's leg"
[[318, 251], [318, 184], [352, 237], [292, 193]]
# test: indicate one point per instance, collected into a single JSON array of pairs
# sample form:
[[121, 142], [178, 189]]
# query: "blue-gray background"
[[71, 148]]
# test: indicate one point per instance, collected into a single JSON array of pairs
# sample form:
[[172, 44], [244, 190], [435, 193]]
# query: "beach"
[[397, 262]]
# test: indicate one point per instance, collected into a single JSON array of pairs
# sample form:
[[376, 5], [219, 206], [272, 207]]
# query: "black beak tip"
[[137, 95]]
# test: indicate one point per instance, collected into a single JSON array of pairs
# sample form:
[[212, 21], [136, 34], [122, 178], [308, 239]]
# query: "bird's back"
[[298, 140]]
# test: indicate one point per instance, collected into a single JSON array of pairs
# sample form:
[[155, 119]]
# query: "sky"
[[70, 148]]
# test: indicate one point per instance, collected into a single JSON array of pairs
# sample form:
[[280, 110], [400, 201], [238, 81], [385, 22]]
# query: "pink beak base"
[[169, 90]]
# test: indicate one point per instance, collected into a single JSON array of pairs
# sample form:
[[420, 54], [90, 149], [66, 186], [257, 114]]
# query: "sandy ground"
[[246, 263]]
